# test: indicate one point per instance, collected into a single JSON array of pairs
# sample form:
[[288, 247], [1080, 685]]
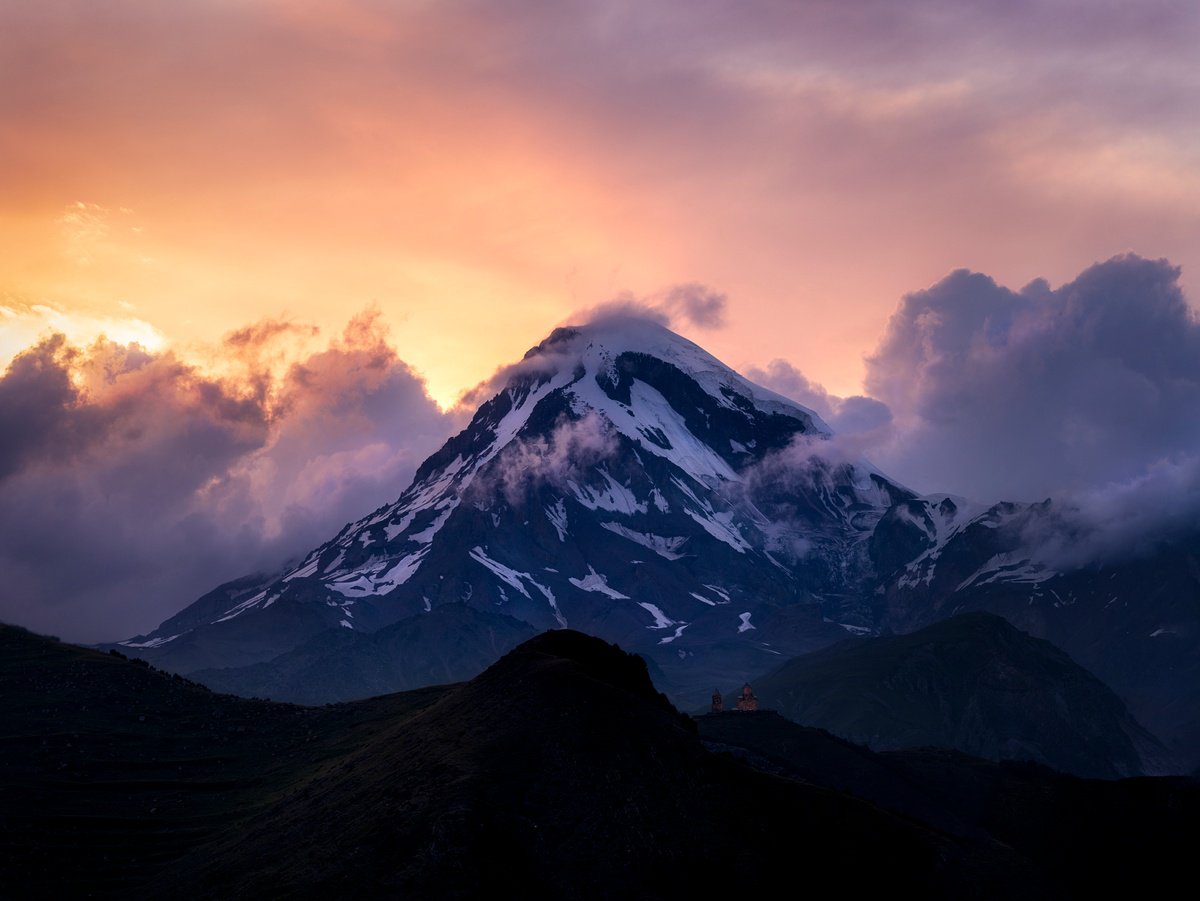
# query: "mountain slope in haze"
[[450, 644], [973, 683]]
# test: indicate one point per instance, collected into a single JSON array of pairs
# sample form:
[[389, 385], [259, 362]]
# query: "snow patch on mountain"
[[618, 335], [152, 643], [509, 576], [516, 579], [558, 518], [241, 608], [598, 583], [666, 547], [1003, 568], [393, 529], [404, 569], [721, 527], [661, 620], [679, 627], [615, 497], [425, 536], [306, 570]]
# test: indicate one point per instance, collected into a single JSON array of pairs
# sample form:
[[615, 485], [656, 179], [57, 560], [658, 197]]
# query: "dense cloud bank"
[[1025, 394], [130, 483], [847, 416], [1088, 393]]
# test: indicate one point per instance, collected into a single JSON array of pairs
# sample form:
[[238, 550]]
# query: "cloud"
[[855, 415], [624, 306], [1088, 394], [1024, 394], [799, 487], [680, 305], [132, 482], [1120, 520], [24, 324], [573, 447], [804, 140], [696, 304]]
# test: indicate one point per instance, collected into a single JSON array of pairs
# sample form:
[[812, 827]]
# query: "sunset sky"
[[229, 183]]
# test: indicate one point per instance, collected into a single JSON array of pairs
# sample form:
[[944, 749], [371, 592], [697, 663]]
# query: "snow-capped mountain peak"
[[594, 349], [619, 479]]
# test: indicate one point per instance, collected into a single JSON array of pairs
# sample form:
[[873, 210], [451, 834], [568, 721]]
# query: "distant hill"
[[972, 683], [451, 643]]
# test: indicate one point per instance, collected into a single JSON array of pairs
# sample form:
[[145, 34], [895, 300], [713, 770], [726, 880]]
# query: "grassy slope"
[[110, 770]]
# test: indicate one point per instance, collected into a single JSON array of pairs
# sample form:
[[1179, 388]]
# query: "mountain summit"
[[621, 481]]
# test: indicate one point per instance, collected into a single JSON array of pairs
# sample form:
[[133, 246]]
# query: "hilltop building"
[[746, 700]]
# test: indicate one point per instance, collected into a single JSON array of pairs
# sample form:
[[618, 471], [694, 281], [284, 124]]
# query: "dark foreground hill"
[[109, 770], [558, 773], [973, 683], [1079, 838]]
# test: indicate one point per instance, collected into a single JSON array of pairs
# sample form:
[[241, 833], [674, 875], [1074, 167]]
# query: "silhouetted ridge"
[[557, 773], [603, 661]]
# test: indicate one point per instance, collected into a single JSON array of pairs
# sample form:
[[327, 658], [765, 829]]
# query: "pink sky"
[[309, 214], [477, 171]]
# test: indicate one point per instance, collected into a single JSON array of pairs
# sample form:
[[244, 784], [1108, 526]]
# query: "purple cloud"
[[855, 415], [130, 483], [1024, 394]]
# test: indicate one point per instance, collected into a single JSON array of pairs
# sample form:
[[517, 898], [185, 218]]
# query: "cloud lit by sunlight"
[[23, 325]]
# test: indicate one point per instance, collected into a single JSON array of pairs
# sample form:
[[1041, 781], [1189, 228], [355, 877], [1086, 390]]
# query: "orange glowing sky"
[[478, 171]]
